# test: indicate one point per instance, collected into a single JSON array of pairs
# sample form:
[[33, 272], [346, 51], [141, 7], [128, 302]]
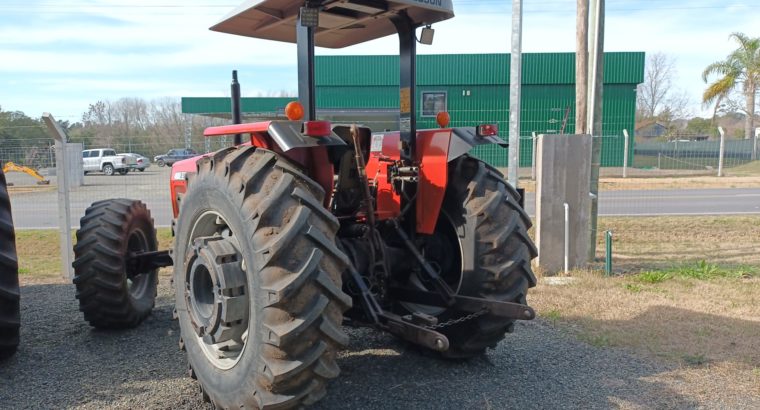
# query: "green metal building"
[[472, 88]]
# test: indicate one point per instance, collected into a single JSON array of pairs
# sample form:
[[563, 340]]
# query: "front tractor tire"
[[10, 318], [258, 282], [483, 223], [109, 297]]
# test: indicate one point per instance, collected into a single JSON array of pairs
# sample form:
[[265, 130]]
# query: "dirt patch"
[[709, 327]]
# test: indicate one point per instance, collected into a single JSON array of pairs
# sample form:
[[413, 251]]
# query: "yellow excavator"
[[11, 167]]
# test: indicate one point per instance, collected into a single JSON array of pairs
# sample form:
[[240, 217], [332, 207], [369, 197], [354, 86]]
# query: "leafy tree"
[[700, 126], [23, 139], [741, 69]]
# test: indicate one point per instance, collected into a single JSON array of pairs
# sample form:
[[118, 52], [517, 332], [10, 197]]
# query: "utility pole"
[[515, 86], [596, 83], [581, 67]]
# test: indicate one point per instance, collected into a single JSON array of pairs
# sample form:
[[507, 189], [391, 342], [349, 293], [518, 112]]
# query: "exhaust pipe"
[[235, 97]]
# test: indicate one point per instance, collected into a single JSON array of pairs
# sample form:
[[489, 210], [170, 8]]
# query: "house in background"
[[651, 130]]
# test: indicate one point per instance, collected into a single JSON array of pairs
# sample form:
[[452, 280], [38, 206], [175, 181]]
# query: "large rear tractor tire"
[[482, 248], [108, 296], [10, 318], [258, 282]]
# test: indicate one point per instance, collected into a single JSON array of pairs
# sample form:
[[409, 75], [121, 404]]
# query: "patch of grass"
[[553, 315], [653, 277], [660, 242], [39, 251], [632, 287], [701, 270], [694, 359], [596, 340], [750, 168]]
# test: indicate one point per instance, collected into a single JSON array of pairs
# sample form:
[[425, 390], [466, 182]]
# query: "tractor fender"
[[287, 135], [434, 152], [463, 139]]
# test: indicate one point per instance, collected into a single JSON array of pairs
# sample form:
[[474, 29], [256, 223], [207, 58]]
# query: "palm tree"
[[741, 67]]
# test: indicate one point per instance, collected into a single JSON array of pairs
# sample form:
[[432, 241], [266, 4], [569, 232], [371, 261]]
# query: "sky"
[[61, 56]]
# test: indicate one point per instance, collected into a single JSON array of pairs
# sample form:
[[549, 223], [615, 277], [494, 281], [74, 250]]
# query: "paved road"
[[39, 209], [63, 363], [712, 201]]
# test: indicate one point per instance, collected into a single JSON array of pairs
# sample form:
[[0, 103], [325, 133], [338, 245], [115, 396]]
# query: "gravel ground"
[[64, 363]]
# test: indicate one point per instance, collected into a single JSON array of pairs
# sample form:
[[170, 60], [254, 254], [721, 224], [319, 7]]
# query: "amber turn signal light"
[[442, 119], [294, 111]]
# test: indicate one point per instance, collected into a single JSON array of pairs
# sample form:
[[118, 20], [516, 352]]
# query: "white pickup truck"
[[105, 160]]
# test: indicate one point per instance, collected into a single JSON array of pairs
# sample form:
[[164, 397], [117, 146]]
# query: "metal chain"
[[458, 320]]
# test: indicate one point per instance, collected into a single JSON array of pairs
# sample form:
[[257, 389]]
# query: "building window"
[[433, 102]]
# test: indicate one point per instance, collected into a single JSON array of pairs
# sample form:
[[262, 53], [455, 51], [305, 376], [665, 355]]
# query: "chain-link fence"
[[683, 202]]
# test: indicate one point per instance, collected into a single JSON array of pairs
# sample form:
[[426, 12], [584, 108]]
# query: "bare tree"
[[654, 93]]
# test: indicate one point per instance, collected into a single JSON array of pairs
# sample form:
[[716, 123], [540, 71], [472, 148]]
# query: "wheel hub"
[[215, 284]]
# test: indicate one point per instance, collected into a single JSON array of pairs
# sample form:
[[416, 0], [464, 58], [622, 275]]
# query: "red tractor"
[[281, 238]]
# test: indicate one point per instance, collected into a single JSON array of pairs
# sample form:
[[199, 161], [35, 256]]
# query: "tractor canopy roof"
[[341, 22]]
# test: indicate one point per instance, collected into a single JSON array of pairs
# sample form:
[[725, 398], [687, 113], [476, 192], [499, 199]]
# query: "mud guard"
[[463, 139], [433, 148], [287, 135], [434, 152]]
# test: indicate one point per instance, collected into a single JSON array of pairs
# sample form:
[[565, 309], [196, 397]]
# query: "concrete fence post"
[[563, 185], [64, 205], [721, 150]]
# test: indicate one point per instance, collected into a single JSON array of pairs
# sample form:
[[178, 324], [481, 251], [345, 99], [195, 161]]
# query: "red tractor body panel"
[[432, 157], [383, 151]]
